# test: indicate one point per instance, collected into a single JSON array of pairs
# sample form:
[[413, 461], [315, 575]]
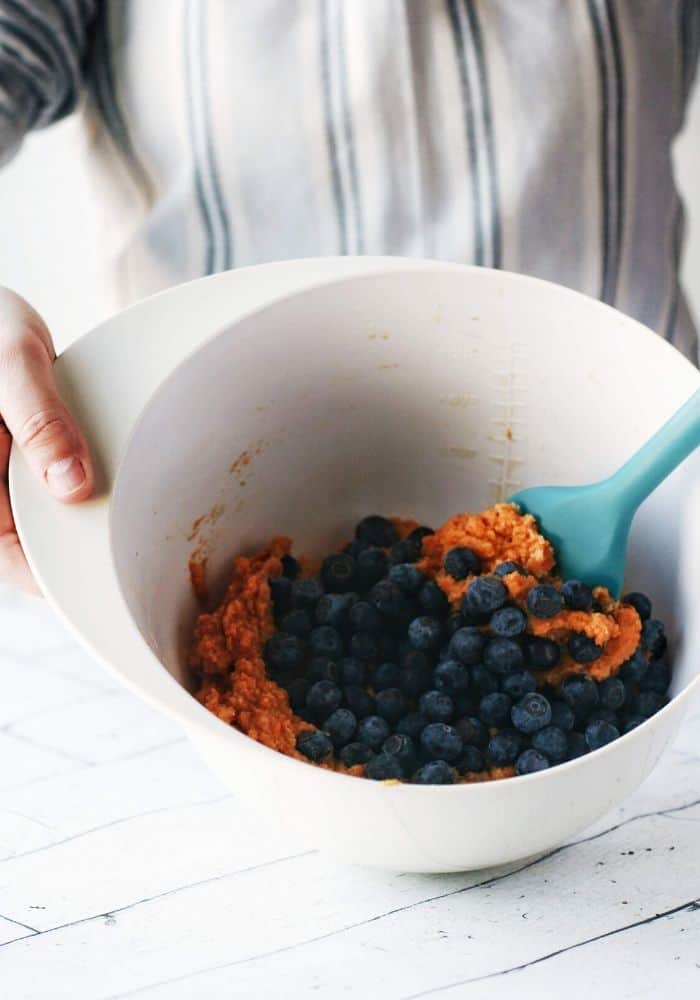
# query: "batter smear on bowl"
[[435, 657]]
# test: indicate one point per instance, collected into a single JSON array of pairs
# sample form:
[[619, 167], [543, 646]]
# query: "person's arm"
[[42, 48], [43, 44]]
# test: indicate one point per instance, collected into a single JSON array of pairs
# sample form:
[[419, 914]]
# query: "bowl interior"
[[421, 393]]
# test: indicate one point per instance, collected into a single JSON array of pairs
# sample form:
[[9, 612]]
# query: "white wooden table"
[[127, 870]]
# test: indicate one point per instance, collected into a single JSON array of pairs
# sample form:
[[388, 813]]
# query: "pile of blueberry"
[[372, 655]]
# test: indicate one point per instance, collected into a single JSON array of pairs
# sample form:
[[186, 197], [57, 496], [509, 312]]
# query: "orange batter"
[[227, 652], [227, 655]]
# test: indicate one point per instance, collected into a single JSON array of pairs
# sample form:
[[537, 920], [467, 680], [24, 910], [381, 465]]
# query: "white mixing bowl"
[[414, 389]]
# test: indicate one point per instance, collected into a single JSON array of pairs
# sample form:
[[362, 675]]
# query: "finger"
[[14, 568], [33, 411]]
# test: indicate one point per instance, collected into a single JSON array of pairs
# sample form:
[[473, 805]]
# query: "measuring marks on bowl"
[[508, 395]]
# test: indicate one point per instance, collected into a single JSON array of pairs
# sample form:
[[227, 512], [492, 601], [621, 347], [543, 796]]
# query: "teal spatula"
[[589, 525]]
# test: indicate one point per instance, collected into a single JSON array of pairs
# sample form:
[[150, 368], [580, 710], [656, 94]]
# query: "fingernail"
[[65, 476]]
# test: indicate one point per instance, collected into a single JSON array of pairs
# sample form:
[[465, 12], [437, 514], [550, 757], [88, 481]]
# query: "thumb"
[[31, 407]]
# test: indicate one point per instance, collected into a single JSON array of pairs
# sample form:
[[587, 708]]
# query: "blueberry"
[[386, 675], [306, 594], [284, 652], [340, 726], [582, 648], [531, 760], [322, 668], [387, 648], [631, 692], [355, 753], [372, 731], [391, 704], [654, 637], [562, 715], [376, 530], [403, 749], [649, 702], [435, 772], [508, 622], [437, 706], [354, 548], [598, 733], [544, 601], [358, 701], [315, 745], [364, 617], [472, 732], [352, 671], [412, 725], [280, 592], [577, 595], [506, 568], [470, 760], [454, 622], [363, 646], [633, 721], [462, 562], [441, 742], [580, 693], [640, 603], [612, 693], [326, 641], [290, 567], [333, 609], [371, 565], [541, 653], [577, 745], [634, 668], [408, 550], [338, 573], [483, 681], [467, 645], [494, 709], [296, 622], [485, 595], [425, 633], [406, 576], [323, 698], [416, 674], [504, 747], [503, 655], [433, 600], [531, 713], [552, 742], [451, 676], [421, 532], [464, 703], [297, 691], [518, 683], [389, 599], [657, 678], [602, 714], [383, 767]]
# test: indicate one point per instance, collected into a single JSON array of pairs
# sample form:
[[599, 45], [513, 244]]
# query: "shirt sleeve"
[[42, 49]]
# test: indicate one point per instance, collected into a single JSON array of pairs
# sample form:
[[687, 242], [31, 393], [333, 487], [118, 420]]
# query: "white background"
[[49, 241]]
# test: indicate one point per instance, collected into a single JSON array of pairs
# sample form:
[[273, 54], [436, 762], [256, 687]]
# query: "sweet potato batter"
[[226, 657]]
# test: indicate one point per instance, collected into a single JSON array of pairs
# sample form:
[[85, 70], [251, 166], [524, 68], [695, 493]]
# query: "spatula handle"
[[659, 456]]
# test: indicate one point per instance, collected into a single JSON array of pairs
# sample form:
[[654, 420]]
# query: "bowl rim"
[[302, 277]]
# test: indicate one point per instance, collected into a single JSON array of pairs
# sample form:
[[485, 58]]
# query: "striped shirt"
[[530, 136]]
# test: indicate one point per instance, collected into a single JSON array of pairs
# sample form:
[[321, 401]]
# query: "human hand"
[[33, 414]]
